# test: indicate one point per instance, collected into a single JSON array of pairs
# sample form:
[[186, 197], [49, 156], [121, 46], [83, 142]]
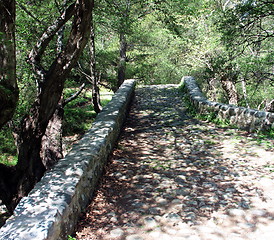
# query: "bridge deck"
[[175, 177]]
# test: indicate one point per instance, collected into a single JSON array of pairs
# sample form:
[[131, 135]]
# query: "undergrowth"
[[8, 151], [262, 135], [211, 116], [78, 117]]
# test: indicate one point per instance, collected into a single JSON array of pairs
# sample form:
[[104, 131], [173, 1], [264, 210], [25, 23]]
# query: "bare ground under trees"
[[174, 177]]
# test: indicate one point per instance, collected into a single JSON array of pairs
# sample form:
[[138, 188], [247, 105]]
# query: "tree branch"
[[81, 70], [36, 53], [74, 96], [30, 13]]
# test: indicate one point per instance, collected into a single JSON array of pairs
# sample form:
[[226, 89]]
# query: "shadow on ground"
[[174, 177]]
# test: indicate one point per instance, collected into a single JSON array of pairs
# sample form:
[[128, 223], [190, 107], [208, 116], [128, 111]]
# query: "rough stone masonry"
[[248, 119], [52, 208]]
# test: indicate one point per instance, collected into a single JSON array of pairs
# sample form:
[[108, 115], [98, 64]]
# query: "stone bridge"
[[169, 177]]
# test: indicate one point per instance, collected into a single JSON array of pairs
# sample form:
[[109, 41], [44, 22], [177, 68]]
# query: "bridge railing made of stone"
[[52, 208], [244, 118]]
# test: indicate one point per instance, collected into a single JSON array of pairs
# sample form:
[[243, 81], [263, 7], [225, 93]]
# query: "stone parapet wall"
[[52, 208], [244, 118]]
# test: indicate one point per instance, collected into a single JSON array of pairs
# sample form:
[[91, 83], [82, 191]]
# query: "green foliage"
[[235, 39], [8, 151], [214, 118], [71, 238], [263, 137], [79, 113], [154, 53], [247, 23], [165, 41], [209, 116]]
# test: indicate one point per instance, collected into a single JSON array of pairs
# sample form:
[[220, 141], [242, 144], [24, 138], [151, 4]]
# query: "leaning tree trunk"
[[122, 60], [30, 167], [52, 143], [8, 84], [51, 148]]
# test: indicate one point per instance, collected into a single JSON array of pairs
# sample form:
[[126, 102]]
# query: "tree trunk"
[[52, 143], [245, 93], [60, 37], [30, 167], [269, 107], [94, 80], [51, 150], [8, 85], [230, 89], [122, 60], [7, 187]]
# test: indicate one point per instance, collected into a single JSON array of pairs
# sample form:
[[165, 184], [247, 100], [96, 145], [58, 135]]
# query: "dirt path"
[[174, 177]]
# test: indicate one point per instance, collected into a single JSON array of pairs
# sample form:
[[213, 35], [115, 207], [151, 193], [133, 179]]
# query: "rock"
[[259, 212], [161, 201], [174, 217], [155, 210], [150, 222], [191, 216], [134, 237], [181, 178], [182, 192], [176, 201], [148, 189], [206, 208], [118, 232], [192, 203], [112, 216], [138, 204], [231, 190], [168, 196], [236, 212]]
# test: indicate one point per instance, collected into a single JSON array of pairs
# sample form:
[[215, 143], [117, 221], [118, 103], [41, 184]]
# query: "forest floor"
[[175, 177]]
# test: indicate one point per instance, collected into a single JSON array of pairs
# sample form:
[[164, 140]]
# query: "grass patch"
[[78, 118], [269, 167], [79, 113], [210, 117], [265, 138], [213, 117], [209, 142]]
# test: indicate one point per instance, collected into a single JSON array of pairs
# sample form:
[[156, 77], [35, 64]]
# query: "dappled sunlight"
[[174, 177]]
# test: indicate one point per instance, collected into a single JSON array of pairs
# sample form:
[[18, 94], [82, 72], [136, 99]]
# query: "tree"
[[247, 33], [247, 23], [230, 50], [50, 83], [120, 18], [8, 84], [93, 76], [120, 14]]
